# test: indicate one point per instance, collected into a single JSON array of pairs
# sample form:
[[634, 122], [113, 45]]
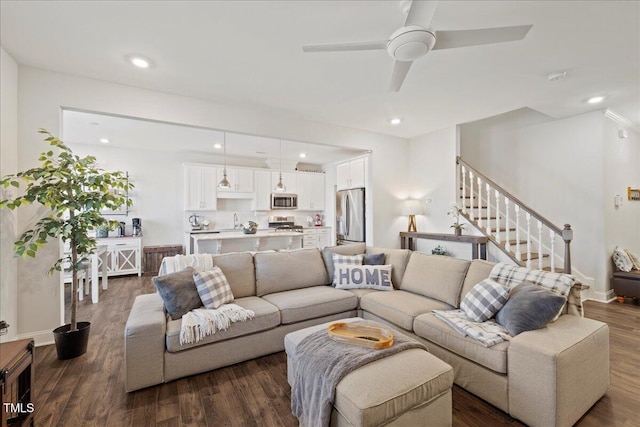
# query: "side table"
[[16, 383]]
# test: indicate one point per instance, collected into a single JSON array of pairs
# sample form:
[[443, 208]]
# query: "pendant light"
[[224, 183], [280, 185]]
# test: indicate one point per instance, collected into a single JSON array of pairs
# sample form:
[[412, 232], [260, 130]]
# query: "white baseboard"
[[605, 297], [39, 337]]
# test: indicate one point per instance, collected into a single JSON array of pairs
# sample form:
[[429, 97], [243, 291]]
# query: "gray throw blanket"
[[320, 363]]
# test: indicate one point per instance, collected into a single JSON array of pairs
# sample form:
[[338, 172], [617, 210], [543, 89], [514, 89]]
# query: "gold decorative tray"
[[362, 335]]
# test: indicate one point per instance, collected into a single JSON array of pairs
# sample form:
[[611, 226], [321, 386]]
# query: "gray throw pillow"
[[373, 259], [178, 292], [529, 307]]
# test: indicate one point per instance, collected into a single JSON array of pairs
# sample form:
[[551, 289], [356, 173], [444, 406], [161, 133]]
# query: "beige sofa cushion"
[[477, 272], [350, 249], [399, 307], [310, 303], [435, 330], [396, 257], [267, 317], [435, 276], [287, 270], [240, 273]]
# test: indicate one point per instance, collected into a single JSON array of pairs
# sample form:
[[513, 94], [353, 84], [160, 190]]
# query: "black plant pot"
[[71, 344]]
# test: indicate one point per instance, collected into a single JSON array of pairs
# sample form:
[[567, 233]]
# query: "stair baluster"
[[517, 212], [480, 202], [471, 195], [497, 216], [552, 236], [463, 196], [488, 188], [539, 245], [528, 216], [507, 242]]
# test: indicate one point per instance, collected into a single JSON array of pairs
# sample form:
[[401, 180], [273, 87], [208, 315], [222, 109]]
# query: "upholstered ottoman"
[[409, 388]]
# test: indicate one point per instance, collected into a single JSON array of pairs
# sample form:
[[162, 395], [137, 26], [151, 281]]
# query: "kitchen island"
[[233, 241]]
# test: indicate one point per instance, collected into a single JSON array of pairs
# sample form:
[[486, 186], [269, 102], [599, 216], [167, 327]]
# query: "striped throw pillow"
[[484, 300], [213, 288]]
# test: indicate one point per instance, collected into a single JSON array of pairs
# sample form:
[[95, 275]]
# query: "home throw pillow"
[[622, 260], [213, 287], [377, 277], [484, 300], [345, 259], [634, 259], [529, 307], [178, 292], [373, 259]]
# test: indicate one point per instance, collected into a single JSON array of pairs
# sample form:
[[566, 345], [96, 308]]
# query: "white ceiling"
[[249, 53]]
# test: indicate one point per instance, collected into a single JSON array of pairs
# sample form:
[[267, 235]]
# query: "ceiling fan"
[[415, 39]]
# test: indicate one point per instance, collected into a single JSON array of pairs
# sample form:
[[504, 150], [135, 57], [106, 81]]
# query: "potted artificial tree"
[[74, 190]]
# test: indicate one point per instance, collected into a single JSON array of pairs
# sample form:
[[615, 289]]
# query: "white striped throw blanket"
[[201, 322], [200, 262], [488, 333]]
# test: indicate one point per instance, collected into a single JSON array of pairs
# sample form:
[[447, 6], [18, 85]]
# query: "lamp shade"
[[412, 207]]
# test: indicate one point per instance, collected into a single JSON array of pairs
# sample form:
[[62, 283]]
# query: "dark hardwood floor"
[[89, 390]]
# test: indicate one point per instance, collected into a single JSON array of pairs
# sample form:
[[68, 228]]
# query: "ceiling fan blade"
[[421, 13], [347, 46], [400, 70], [463, 38]]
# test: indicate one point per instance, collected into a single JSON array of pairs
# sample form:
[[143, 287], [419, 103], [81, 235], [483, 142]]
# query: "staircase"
[[527, 237]]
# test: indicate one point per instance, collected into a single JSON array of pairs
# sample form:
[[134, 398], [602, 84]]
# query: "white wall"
[[42, 94], [8, 219], [555, 167], [621, 170]]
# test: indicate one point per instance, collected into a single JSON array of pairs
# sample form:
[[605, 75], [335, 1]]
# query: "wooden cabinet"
[[289, 179], [310, 191], [241, 180], [16, 383], [316, 237], [124, 255], [200, 185], [351, 174]]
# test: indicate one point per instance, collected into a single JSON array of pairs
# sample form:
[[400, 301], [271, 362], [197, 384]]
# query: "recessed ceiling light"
[[303, 155], [595, 99], [104, 140], [217, 146], [94, 123], [558, 75], [139, 61], [395, 121]]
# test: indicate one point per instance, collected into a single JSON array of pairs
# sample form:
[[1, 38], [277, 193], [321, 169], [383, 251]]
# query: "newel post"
[[567, 236]]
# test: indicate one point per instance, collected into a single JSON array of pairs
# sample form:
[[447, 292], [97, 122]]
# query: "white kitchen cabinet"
[[289, 179], [262, 200], [200, 187], [351, 174], [310, 188], [124, 255], [241, 181], [316, 237]]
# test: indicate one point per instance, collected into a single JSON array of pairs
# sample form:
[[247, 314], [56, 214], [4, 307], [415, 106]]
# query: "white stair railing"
[[473, 184]]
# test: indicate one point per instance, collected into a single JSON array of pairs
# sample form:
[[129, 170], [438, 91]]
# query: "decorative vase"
[[457, 231], [70, 344], [249, 230]]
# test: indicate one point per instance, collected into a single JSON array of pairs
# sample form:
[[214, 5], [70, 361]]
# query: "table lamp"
[[412, 208]]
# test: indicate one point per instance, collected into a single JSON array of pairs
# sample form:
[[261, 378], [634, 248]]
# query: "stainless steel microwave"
[[284, 201]]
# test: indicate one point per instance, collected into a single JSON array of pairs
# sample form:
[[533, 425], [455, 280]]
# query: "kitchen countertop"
[[240, 235]]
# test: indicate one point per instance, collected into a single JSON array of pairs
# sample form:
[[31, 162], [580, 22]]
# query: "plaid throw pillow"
[[484, 300], [213, 288], [346, 260]]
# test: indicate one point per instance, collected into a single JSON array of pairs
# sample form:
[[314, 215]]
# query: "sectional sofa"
[[545, 377]]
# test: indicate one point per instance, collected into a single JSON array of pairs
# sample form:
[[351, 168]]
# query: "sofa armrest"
[[144, 342], [557, 373]]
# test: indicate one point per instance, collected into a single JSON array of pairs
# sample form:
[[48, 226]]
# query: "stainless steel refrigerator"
[[350, 224]]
